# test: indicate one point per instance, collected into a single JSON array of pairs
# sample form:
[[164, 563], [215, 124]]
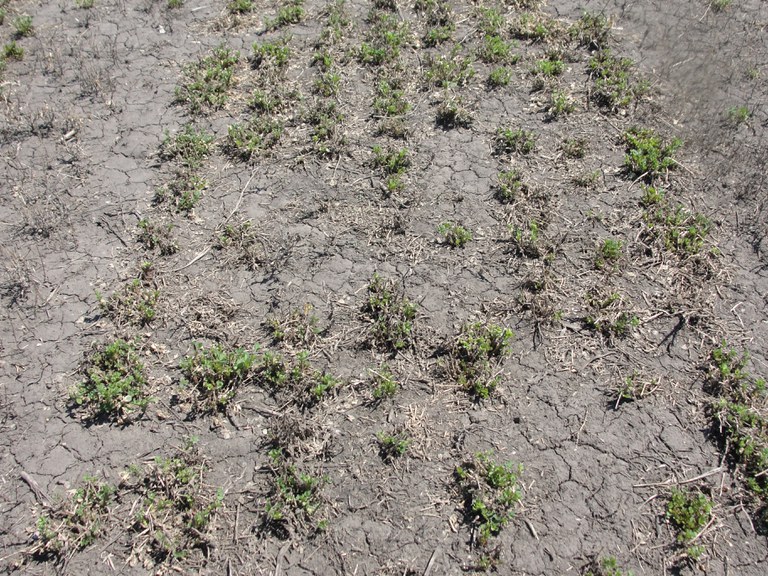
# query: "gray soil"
[[83, 118]]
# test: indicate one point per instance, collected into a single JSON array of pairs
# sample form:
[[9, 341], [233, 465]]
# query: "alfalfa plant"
[[12, 51], [609, 252], [393, 163], [689, 512], [296, 327], [672, 228], [271, 56], [550, 66], [383, 383], [294, 501], [496, 50], [634, 387], [526, 241], [240, 6], [454, 234], [206, 83], [215, 374], [609, 315], [184, 191], [391, 314], [489, 491], [475, 355], [86, 4], [515, 141], [74, 523], [649, 155], [189, 147], [739, 115], [385, 38], [560, 104], [450, 70], [22, 26], [253, 138], [499, 76], [174, 509], [452, 112], [157, 237], [114, 384], [606, 566], [327, 133], [439, 18], [290, 12], [393, 446], [337, 21], [390, 99], [614, 84], [135, 303], [591, 30]]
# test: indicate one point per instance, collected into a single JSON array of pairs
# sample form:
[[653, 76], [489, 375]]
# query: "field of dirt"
[[384, 287]]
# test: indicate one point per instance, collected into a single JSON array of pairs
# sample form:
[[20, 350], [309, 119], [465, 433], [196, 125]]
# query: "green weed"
[[337, 22], [499, 77], [526, 240], [391, 313], [327, 84], [75, 523], [297, 327], [739, 114], [184, 191], [510, 186], [474, 357], [454, 235], [649, 155], [515, 141], [84, 4], [240, 6], [326, 121], [575, 148], [607, 566], [155, 237], [384, 383], [172, 4], [489, 491], [689, 512], [190, 147], [386, 37], [550, 66], [591, 30], [273, 55], [673, 228], [294, 499], [114, 386], [206, 83], [614, 85], [390, 100], [495, 50], [536, 26], [560, 104], [216, 374], [13, 51], [392, 446]]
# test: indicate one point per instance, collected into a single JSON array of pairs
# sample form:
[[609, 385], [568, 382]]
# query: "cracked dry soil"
[[358, 442]]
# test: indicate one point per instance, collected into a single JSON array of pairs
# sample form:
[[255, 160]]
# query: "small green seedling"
[[291, 12], [649, 155], [515, 141], [391, 313], [294, 499], [454, 235], [500, 76], [608, 253], [607, 566], [392, 446], [22, 26], [689, 512], [384, 383], [12, 51], [489, 491], [475, 355], [510, 186], [739, 114], [115, 384]]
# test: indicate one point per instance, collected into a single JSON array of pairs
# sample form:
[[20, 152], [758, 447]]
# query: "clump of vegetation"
[[291, 12], [385, 38], [495, 50], [134, 304], [536, 27], [489, 491], [206, 83], [12, 51], [296, 328], [474, 356], [560, 104], [740, 412], [216, 374], [391, 313], [500, 76], [175, 509], [575, 148], [634, 387], [155, 237], [294, 500], [608, 253], [271, 56], [75, 523], [690, 513], [189, 147], [253, 138], [390, 101], [515, 141], [526, 240], [114, 386], [298, 379], [393, 446], [337, 21], [550, 66], [614, 85], [240, 6], [607, 566], [671, 227], [591, 30], [454, 235], [326, 121], [393, 163], [649, 155], [452, 113], [609, 314], [439, 19], [22, 26], [450, 70], [739, 114], [184, 191], [383, 383]]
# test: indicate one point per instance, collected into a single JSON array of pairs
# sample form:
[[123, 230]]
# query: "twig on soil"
[[240, 199], [431, 562], [35, 487], [673, 482], [531, 529], [195, 259]]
